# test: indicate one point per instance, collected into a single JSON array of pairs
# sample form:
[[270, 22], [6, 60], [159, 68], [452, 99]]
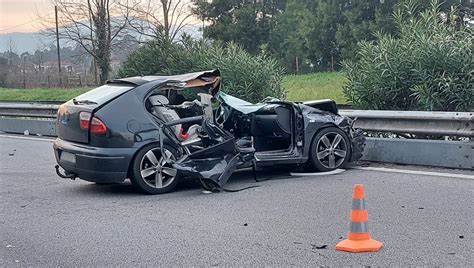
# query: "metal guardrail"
[[28, 118], [31, 102], [416, 122], [28, 110], [39, 119]]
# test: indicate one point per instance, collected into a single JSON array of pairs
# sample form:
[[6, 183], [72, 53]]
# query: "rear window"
[[104, 93]]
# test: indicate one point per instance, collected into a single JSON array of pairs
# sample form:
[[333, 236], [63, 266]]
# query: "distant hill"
[[23, 42], [31, 41]]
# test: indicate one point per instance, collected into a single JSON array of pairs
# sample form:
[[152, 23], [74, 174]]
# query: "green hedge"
[[428, 66], [245, 76]]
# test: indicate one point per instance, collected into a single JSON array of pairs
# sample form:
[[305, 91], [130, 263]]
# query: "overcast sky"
[[22, 15]]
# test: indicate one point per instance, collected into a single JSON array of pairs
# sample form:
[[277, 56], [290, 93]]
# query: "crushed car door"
[[216, 162]]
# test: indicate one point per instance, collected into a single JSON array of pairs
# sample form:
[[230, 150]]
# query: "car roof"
[[140, 80]]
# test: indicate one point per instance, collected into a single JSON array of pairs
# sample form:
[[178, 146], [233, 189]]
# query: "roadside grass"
[[314, 86], [41, 94]]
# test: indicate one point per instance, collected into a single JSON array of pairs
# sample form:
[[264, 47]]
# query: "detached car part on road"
[[157, 130]]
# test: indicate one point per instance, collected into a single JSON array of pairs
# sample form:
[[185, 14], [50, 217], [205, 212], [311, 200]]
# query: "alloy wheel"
[[331, 150], [156, 169]]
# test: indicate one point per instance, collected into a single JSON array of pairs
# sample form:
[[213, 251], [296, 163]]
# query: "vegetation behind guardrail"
[[427, 66], [249, 77]]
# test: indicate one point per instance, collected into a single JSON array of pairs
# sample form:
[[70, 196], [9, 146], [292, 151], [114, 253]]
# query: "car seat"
[[167, 114]]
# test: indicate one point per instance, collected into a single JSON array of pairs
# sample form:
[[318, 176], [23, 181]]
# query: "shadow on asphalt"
[[239, 179]]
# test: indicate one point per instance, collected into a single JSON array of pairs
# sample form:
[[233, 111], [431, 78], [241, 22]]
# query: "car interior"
[[269, 128]]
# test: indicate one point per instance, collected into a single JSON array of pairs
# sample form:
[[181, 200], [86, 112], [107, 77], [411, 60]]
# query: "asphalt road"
[[46, 221]]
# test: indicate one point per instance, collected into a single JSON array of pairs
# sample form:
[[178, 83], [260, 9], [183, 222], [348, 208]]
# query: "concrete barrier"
[[452, 154], [45, 127]]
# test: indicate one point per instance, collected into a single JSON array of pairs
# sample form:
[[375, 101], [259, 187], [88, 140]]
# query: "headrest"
[[159, 100]]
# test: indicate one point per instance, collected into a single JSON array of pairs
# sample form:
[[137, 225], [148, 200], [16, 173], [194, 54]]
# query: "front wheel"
[[152, 172], [330, 149]]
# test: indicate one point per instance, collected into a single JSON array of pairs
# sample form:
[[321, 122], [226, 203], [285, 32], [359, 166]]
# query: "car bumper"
[[93, 163]]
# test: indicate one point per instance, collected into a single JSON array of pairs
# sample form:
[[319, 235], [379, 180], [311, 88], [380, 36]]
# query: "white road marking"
[[417, 172], [36, 138], [336, 171]]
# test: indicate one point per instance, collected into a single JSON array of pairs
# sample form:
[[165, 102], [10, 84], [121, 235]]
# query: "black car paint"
[[316, 120], [296, 153], [94, 164], [107, 158], [68, 114]]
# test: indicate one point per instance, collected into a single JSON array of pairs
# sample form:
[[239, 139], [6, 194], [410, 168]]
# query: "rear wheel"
[[152, 171], [330, 149]]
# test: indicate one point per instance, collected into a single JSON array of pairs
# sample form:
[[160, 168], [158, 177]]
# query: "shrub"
[[428, 66], [245, 76]]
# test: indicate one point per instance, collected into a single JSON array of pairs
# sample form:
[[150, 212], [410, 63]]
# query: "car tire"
[[330, 149], [151, 173]]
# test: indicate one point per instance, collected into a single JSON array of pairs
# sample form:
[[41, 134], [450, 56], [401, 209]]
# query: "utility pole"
[[332, 62], [297, 65], [57, 44], [24, 71]]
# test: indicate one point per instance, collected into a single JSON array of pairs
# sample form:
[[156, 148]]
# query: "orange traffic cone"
[[359, 239]]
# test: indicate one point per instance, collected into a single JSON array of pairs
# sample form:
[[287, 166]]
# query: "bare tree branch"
[[160, 18], [95, 25]]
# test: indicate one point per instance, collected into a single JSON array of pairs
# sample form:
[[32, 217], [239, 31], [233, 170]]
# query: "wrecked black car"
[[157, 130]]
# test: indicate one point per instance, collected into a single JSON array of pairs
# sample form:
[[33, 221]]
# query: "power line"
[[25, 23]]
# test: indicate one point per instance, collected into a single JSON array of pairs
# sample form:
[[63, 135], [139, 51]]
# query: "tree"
[[428, 65], [11, 51], [246, 22], [38, 60], [247, 76], [288, 36], [127, 45], [160, 18], [360, 20], [94, 25], [324, 48]]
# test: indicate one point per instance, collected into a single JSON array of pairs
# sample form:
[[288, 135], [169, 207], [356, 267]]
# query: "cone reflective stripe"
[[359, 239], [358, 203], [359, 227]]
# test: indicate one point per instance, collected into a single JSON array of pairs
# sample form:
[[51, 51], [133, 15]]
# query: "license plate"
[[68, 157]]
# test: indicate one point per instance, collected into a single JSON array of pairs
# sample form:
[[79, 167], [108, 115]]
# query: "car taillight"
[[96, 125], [84, 118]]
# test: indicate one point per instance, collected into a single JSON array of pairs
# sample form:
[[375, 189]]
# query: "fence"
[[46, 80]]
